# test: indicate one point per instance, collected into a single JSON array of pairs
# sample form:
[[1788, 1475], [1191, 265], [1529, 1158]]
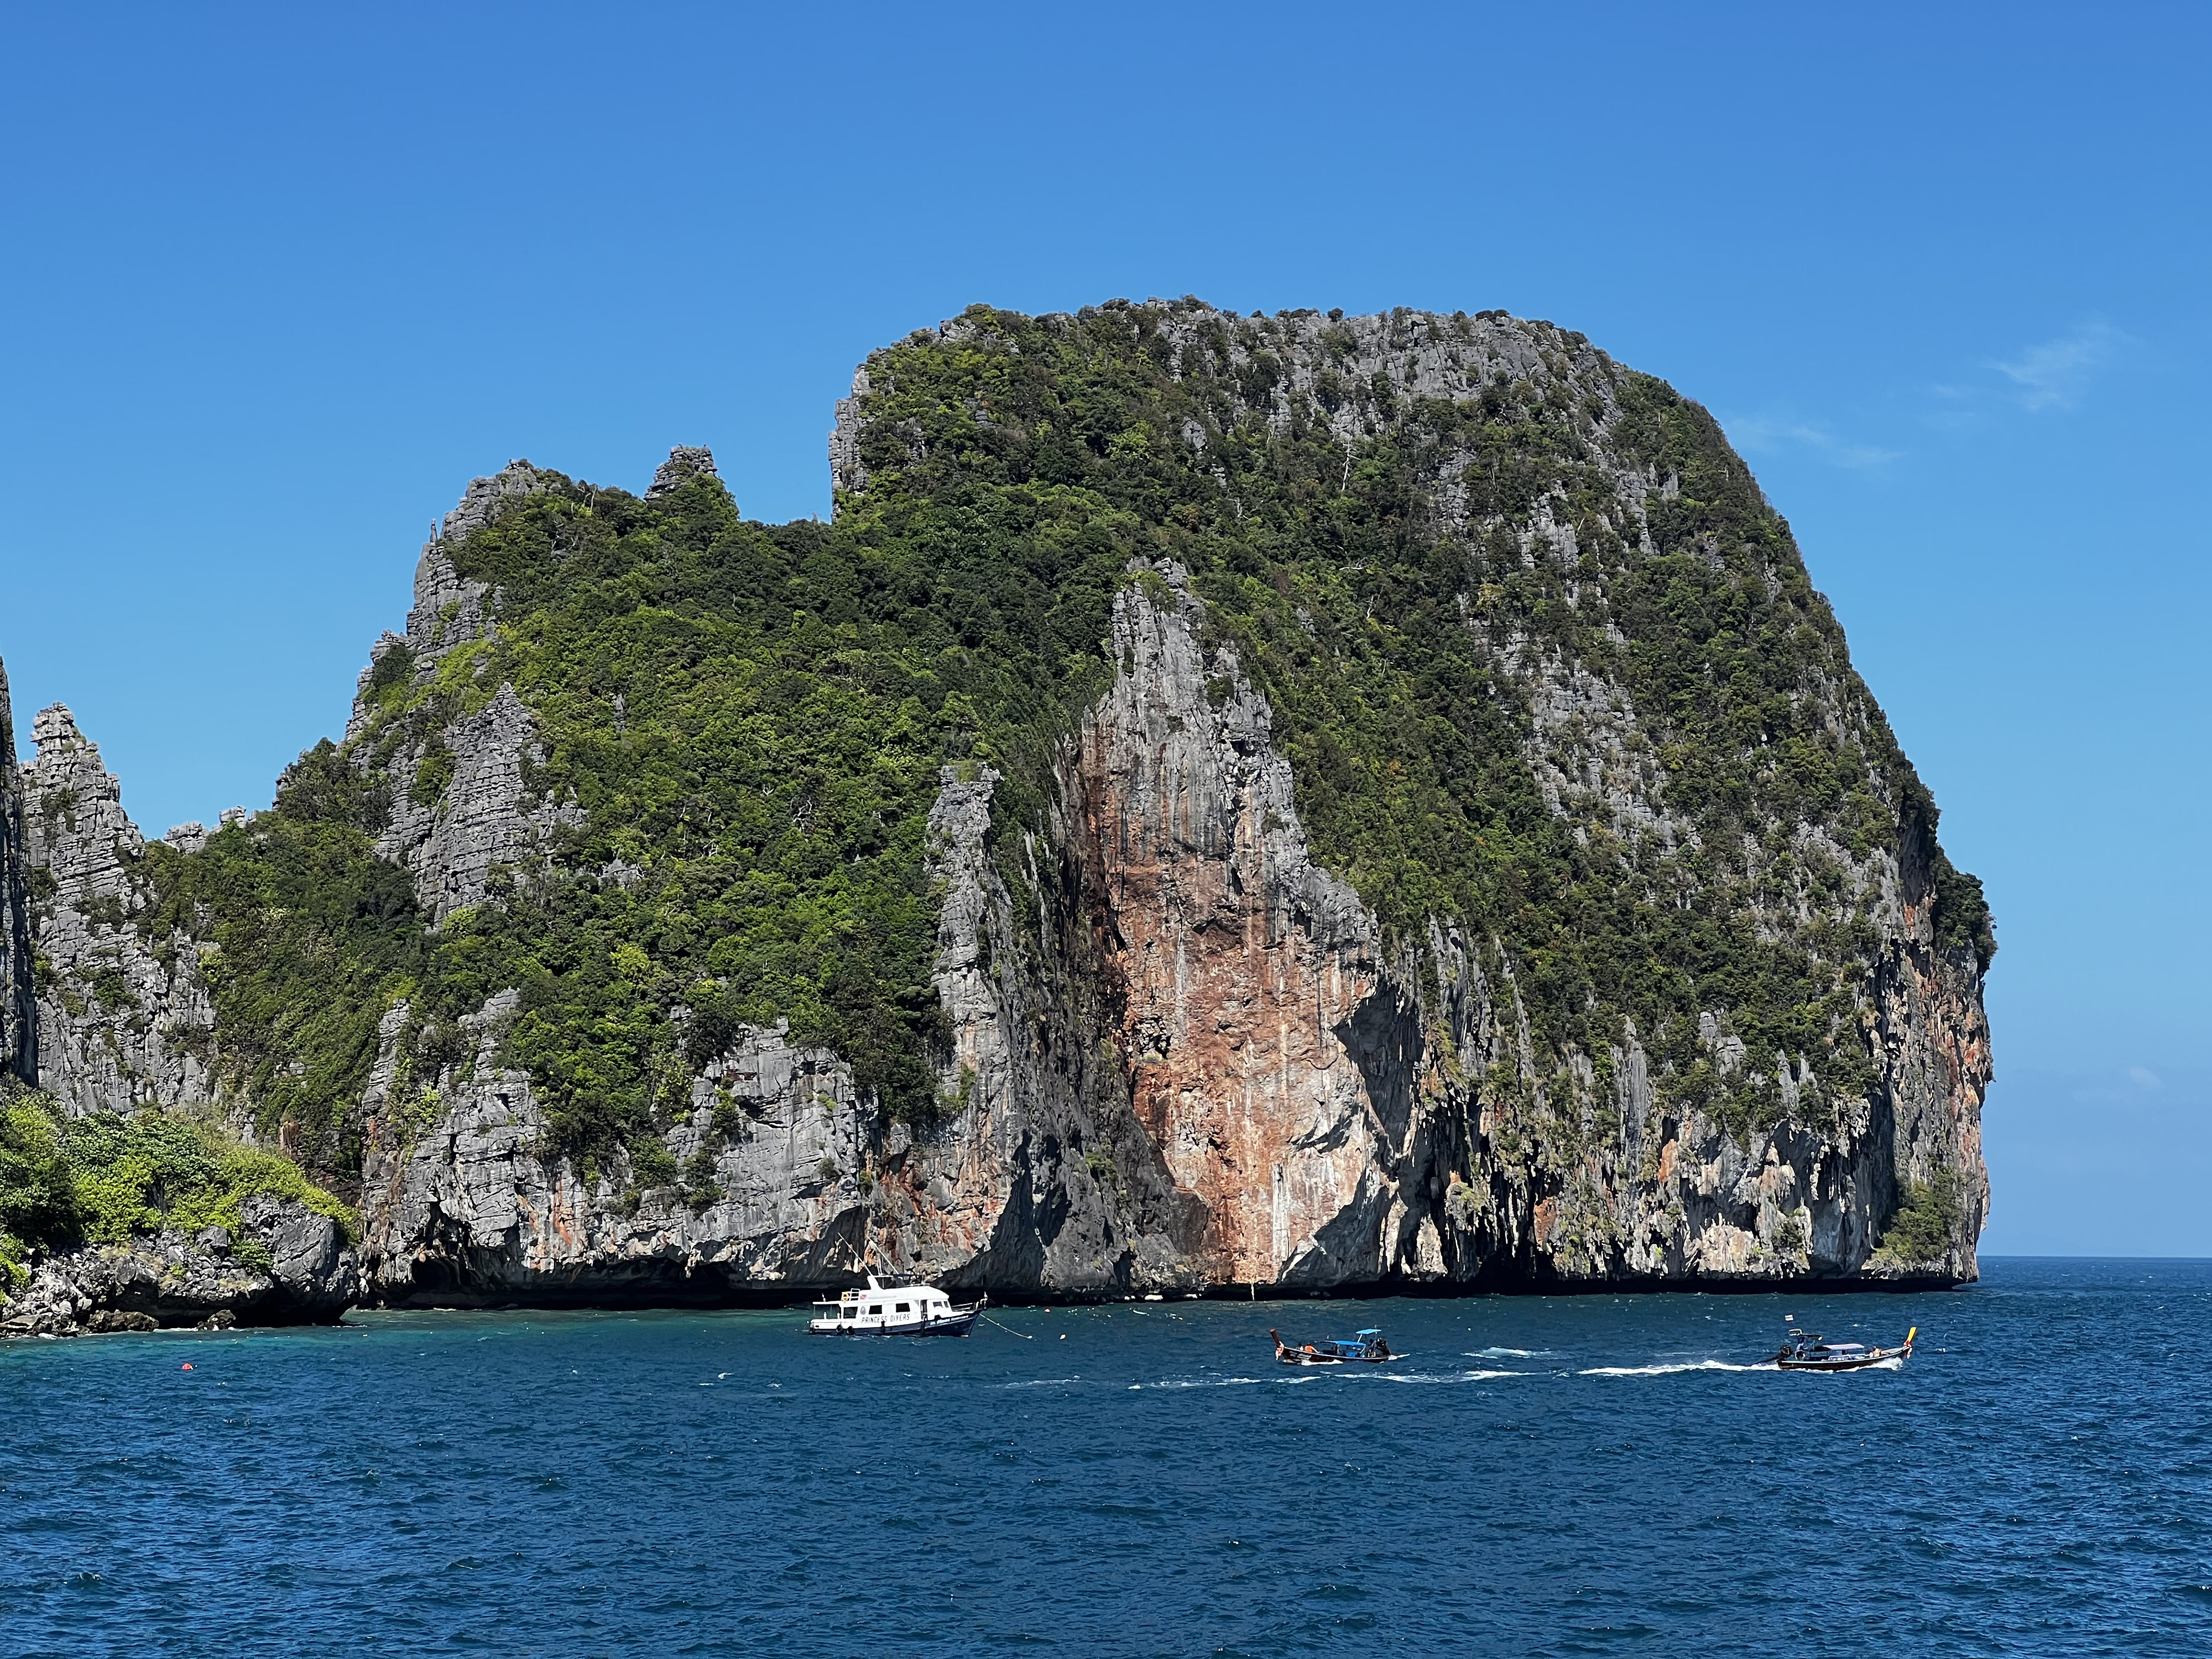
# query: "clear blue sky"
[[278, 281]]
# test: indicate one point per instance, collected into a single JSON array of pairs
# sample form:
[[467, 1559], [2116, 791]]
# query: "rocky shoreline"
[[288, 1265]]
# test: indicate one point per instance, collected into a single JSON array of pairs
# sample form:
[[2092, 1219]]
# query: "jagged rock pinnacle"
[[684, 464], [484, 497], [119, 1022]]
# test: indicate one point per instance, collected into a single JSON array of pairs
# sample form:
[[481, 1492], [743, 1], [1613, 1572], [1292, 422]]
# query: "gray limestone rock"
[[449, 610], [120, 1024], [483, 820], [682, 466], [467, 1207], [301, 1273], [847, 473], [484, 498]]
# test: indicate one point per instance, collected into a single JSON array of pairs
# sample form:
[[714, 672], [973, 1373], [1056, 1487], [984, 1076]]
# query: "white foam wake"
[[1674, 1370]]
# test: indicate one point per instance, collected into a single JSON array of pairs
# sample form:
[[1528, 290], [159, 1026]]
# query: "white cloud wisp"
[[2055, 375], [1764, 434]]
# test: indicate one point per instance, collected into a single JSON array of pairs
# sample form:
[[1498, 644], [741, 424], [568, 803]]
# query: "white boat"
[[895, 1310]]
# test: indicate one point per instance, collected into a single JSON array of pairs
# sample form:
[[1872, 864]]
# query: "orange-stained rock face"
[[1235, 960], [1292, 1084]]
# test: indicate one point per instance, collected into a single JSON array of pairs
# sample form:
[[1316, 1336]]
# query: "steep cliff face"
[[1327, 1105], [457, 809], [120, 1023], [1384, 804], [462, 1204], [1037, 1179], [1249, 979]]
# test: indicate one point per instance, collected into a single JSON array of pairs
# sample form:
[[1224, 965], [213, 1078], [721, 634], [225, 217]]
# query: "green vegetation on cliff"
[[1381, 639], [311, 932], [753, 739], [1929, 1225], [101, 1179], [748, 723], [754, 756]]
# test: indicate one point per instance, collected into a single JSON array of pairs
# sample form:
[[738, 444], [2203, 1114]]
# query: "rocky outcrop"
[[119, 1026], [682, 465], [1347, 1119], [288, 1265], [454, 822], [847, 471], [1198, 1063], [449, 610], [482, 820], [461, 1205], [19, 1022], [1182, 1052]]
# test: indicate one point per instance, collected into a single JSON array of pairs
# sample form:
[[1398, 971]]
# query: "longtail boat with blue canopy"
[[1367, 1347]]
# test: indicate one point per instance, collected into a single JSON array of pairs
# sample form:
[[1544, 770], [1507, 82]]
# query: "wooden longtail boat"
[[1808, 1350]]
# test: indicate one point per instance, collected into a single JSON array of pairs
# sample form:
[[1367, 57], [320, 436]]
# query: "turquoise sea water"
[[1553, 1475]]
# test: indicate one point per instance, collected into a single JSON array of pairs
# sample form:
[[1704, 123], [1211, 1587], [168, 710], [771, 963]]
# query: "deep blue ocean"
[[1539, 1475]]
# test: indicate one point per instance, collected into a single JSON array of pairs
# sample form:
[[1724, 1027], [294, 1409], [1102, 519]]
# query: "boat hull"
[[1865, 1364], [958, 1324]]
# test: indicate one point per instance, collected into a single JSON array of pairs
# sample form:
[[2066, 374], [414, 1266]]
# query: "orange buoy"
[[187, 1364]]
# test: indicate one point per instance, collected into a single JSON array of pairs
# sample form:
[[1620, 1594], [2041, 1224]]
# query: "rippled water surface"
[[1589, 1474]]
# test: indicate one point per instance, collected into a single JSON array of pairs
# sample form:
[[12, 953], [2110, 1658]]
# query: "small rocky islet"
[[1301, 804]]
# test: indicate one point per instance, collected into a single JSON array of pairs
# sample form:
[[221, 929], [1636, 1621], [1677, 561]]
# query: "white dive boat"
[[895, 1310]]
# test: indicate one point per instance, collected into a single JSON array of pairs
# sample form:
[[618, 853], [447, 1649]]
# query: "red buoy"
[[188, 1364]]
